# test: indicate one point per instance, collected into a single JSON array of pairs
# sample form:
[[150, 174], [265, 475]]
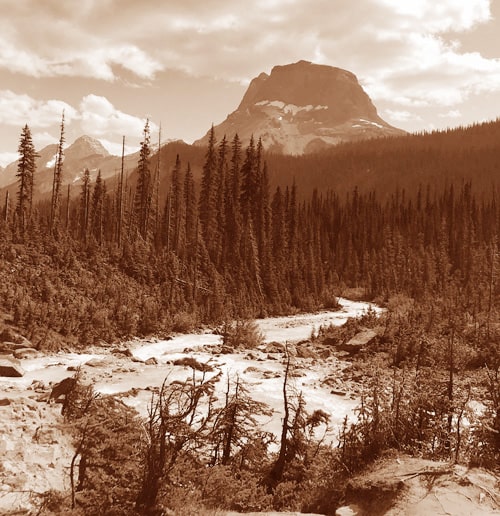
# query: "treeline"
[[233, 247], [438, 158]]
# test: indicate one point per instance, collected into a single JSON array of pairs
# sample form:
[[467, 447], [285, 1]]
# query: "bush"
[[244, 334]]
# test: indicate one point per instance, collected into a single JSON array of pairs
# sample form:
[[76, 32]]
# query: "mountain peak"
[[86, 146], [303, 106]]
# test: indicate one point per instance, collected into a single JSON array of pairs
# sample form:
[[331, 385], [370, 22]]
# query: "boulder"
[[348, 510], [358, 342], [330, 341], [26, 353], [10, 347], [9, 335], [10, 367], [151, 361], [274, 347], [306, 352], [62, 388]]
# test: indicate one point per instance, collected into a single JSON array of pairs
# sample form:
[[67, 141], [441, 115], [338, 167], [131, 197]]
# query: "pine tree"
[[177, 209], [55, 206], [249, 183], [84, 206], [120, 200], [26, 168], [142, 205], [221, 186], [97, 214], [207, 202], [191, 215], [232, 219]]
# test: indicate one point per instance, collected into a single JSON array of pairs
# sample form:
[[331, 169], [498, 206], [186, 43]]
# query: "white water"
[[263, 374]]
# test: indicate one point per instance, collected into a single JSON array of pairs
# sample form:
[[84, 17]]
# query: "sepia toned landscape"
[[249, 258]]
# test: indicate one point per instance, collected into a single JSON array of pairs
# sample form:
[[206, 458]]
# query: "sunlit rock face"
[[303, 107]]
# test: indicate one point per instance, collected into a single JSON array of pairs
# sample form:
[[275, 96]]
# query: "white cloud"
[[442, 16], [99, 118], [453, 113], [406, 53], [42, 139], [401, 116], [20, 109]]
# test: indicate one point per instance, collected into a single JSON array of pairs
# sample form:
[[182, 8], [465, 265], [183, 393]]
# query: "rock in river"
[[10, 367]]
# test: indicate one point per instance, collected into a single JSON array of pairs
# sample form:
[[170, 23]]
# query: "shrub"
[[242, 333]]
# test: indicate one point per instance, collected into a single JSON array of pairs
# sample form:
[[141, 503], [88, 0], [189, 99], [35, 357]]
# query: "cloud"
[[407, 54], [401, 116], [20, 109], [453, 113], [380, 40], [99, 118], [44, 138]]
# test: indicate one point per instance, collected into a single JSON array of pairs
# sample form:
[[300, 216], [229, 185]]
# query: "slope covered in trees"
[[241, 247]]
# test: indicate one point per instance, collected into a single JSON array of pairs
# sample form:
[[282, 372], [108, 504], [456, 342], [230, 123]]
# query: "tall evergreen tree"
[[26, 168], [177, 208], [207, 202], [55, 206], [120, 200], [84, 209], [98, 205], [249, 182], [142, 205], [232, 219], [191, 215]]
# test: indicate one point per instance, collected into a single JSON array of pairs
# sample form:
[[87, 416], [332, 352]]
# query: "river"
[[261, 372]]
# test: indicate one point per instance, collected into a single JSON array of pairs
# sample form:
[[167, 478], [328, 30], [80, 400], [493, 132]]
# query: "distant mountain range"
[[84, 152], [303, 107]]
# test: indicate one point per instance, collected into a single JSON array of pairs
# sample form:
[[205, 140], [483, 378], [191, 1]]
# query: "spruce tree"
[[191, 215], [55, 206], [97, 215], [142, 205], [207, 202], [84, 206], [26, 168]]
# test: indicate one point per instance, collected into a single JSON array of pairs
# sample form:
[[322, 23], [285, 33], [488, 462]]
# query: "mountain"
[[85, 147], [303, 107], [84, 152]]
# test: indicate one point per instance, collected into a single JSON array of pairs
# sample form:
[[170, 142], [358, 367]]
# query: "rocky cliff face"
[[303, 107]]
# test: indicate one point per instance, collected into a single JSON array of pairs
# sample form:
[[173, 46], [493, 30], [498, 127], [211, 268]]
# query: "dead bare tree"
[[176, 420]]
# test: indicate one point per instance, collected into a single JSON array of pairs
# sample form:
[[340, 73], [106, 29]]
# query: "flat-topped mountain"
[[303, 107]]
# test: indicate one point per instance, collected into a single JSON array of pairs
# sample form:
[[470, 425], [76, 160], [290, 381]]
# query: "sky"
[[185, 64]]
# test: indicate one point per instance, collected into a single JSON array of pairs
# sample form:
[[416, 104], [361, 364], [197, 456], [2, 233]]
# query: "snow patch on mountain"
[[371, 123], [289, 108]]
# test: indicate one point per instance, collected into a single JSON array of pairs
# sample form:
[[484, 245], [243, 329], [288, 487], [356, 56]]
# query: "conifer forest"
[[233, 233]]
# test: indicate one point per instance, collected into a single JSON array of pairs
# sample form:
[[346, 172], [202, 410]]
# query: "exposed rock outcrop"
[[304, 107]]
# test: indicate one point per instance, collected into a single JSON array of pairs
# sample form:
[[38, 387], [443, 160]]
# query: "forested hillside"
[[125, 260]]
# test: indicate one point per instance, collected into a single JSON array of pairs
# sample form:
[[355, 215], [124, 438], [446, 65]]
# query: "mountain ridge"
[[303, 107], [84, 152]]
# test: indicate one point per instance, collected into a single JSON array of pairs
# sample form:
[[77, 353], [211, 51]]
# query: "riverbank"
[[37, 452]]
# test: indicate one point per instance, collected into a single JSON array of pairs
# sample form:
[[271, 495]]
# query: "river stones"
[[10, 367]]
